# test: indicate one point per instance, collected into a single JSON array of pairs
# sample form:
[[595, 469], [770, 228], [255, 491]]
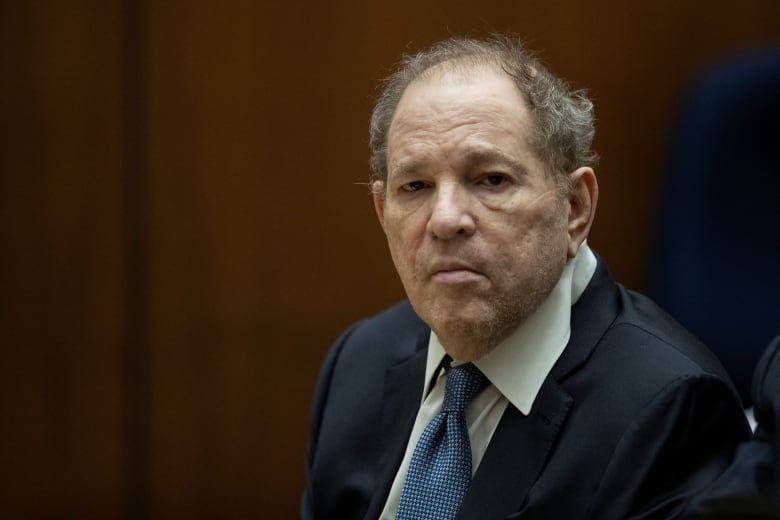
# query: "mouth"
[[454, 272]]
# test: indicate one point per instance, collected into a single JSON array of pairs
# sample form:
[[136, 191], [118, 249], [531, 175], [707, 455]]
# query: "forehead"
[[460, 107], [472, 86]]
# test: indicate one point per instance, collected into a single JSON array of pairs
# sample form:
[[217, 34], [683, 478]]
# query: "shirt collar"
[[520, 363]]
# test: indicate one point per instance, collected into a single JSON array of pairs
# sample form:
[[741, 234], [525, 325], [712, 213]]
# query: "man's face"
[[476, 226]]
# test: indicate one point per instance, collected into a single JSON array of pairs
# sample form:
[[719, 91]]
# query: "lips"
[[454, 271]]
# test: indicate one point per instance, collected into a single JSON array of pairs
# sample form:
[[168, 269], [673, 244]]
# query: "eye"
[[414, 186], [494, 179]]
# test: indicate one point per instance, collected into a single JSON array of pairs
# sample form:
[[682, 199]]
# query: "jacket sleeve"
[[683, 441]]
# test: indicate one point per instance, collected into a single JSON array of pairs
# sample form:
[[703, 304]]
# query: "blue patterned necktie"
[[440, 469]]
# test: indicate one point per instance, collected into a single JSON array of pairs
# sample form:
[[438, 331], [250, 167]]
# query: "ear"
[[583, 197], [378, 191]]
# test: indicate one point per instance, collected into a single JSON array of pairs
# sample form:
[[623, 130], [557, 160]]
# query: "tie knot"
[[464, 382]]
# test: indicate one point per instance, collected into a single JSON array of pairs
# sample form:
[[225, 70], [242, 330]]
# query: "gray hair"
[[563, 119]]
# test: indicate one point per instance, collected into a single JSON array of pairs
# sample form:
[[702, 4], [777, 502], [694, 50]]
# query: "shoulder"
[[625, 351], [354, 369], [653, 337], [363, 352], [659, 392], [388, 337]]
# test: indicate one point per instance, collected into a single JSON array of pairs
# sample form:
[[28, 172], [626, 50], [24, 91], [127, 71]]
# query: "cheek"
[[541, 234], [404, 229], [550, 217], [404, 244]]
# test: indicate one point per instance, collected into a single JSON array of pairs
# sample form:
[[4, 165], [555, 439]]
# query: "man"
[[590, 401]]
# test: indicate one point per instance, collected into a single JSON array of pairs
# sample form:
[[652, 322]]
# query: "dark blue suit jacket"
[[634, 420]]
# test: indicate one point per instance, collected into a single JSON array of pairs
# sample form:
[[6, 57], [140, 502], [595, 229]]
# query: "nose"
[[451, 213]]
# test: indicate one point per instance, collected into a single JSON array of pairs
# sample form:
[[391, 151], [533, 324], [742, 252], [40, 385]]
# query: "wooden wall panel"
[[60, 268], [252, 240]]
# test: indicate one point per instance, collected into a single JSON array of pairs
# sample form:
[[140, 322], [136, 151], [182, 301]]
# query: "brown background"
[[184, 230]]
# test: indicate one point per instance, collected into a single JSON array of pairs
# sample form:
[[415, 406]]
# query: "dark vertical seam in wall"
[[135, 243]]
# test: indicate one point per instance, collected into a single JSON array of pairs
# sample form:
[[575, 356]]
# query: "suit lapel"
[[591, 316], [401, 401], [516, 455]]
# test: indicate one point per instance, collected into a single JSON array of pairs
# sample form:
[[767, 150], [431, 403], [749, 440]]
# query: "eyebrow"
[[470, 158], [478, 156]]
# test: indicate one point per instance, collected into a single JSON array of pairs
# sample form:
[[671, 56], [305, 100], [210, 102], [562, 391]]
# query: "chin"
[[467, 338]]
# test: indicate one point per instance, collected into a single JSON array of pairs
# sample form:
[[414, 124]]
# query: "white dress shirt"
[[516, 368]]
